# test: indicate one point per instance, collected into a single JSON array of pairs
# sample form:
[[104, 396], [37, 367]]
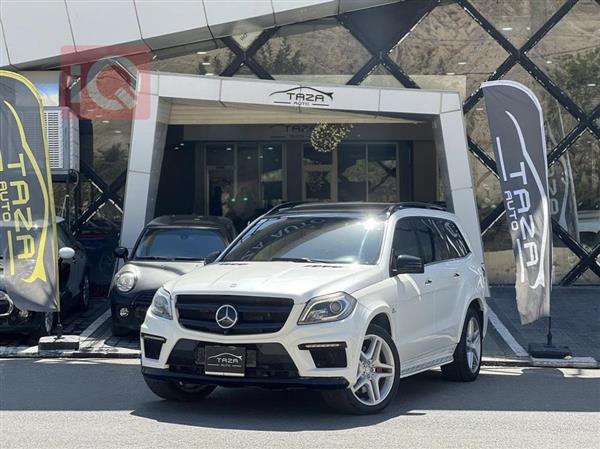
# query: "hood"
[[152, 274], [300, 281]]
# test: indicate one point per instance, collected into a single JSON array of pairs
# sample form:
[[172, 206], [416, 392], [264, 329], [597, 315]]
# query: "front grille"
[[141, 303], [256, 315], [264, 360]]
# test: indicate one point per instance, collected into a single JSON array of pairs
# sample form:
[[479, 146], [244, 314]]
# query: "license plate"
[[224, 360]]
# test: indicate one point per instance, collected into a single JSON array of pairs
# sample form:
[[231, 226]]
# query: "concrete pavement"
[[97, 403]]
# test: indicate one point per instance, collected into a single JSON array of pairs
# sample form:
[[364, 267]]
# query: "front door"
[[415, 294]]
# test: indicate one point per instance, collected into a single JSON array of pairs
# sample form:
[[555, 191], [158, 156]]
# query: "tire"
[[45, 325], [467, 355], [174, 391], [84, 296], [363, 400], [120, 331]]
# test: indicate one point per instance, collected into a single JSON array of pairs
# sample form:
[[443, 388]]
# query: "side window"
[[440, 247], [456, 242], [425, 238], [405, 241]]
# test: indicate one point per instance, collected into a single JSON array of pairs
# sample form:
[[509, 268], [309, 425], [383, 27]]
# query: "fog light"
[[23, 314], [124, 312]]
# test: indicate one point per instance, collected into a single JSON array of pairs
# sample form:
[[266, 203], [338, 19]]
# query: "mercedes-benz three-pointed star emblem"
[[226, 316]]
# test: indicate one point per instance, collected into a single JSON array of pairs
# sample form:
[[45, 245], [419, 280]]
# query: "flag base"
[[62, 343], [548, 351]]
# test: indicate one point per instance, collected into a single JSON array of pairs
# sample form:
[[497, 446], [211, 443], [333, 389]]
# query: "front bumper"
[[319, 383], [14, 324], [349, 331], [136, 303]]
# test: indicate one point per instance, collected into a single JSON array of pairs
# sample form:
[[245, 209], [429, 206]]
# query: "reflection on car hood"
[[152, 274], [300, 281]]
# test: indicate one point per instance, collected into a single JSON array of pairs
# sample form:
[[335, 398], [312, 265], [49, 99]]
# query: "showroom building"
[[312, 136]]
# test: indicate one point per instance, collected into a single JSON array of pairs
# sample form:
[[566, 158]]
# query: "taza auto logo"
[[303, 96]]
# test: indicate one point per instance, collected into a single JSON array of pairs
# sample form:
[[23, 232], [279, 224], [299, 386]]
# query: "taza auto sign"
[[27, 219], [303, 96]]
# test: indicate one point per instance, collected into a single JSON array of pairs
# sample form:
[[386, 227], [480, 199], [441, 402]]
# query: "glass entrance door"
[[358, 171], [318, 175]]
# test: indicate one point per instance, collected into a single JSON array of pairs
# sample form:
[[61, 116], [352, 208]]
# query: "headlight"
[[161, 304], [333, 307], [125, 281]]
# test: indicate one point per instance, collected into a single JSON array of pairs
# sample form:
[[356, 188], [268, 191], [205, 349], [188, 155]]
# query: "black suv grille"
[[141, 303], [256, 315]]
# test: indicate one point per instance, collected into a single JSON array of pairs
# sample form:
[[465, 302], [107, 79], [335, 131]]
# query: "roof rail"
[[286, 205], [437, 205]]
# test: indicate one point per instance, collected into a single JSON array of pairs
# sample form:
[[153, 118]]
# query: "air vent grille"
[[55, 138]]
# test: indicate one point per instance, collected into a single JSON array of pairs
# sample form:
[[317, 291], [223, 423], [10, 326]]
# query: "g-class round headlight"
[[125, 281], [327, 308]]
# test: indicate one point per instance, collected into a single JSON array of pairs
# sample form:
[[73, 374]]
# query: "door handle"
[[428, 281], [456, 275]]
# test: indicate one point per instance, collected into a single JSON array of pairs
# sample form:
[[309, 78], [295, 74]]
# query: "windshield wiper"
[[302, 260], [153, 258]]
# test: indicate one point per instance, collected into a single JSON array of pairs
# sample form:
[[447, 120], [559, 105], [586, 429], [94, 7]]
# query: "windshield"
[[178, 244], [312, 239]]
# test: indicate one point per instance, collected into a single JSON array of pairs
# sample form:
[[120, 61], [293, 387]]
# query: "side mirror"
[[211, 257], [406, 264], [66, 254], [121, 252]]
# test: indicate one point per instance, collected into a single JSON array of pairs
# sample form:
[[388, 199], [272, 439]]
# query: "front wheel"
[[45, 325], [84, 295], [467, 355], [378, 376], [179, 391]]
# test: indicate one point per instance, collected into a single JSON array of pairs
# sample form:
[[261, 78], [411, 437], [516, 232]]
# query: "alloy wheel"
[[473, 344], [376, 371], [85, 292]]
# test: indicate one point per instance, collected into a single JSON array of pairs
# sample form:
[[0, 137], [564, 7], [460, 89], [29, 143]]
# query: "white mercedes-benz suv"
[[347, 298]]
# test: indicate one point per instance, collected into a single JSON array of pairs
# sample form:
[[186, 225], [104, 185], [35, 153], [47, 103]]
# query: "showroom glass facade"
[[551, 46]]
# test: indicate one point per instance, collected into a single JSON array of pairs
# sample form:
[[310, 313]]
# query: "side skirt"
[[426, 365]]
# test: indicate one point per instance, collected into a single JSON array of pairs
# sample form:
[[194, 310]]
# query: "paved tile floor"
[[575, 319]]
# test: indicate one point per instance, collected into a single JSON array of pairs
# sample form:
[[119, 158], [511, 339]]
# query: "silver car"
[[168, 247]]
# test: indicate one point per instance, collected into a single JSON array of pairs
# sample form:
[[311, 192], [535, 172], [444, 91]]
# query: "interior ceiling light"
[[506, 28]]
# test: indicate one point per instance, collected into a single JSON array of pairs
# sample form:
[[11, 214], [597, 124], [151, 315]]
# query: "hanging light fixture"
[[326, 137]]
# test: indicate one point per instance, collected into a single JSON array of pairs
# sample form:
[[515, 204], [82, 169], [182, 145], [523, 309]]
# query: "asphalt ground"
[[101, 403]]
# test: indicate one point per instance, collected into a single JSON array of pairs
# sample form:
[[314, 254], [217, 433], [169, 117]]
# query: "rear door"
[[449, 306], [415, 323]]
